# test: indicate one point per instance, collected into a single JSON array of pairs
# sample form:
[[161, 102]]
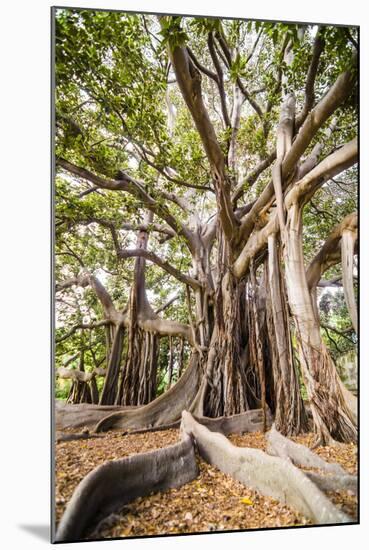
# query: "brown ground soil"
[[212, 502], [75, 459]]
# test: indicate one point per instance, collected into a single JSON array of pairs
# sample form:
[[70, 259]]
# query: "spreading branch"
[[137, 189], [330, 253], [163, 327], [78, 375], [334, 164], [302, 191], [177, 181], [219, 80], [154, 258], [124, 226], [341, 332], [227, 54], [82, 326], [87, 279], [189, 82], [252, 177], [335, 96], [318, 49], [201, 67], [167, 304]]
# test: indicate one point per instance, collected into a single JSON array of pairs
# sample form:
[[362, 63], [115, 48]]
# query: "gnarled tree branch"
[[78, 375], [82, 326], [335, 96], [135, 188], [330, 253], [152, 257], [303, 190], [86, 279], [189, 82], [318, 48]]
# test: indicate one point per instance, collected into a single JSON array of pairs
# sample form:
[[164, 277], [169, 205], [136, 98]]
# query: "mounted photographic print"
[[206, 274]]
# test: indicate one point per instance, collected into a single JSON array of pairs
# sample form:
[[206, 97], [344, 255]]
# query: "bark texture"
[[331, 412], [248, 287], [269, 475], [290, 417], [115, 483], [164, 409]]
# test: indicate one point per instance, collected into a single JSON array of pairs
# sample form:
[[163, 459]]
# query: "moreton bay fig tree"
[[206, 227]]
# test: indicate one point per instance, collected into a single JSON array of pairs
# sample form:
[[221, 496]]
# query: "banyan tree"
[[205, 199]]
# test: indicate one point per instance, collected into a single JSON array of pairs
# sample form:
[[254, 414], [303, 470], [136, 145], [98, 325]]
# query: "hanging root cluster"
[[327, 398], [137, 384]]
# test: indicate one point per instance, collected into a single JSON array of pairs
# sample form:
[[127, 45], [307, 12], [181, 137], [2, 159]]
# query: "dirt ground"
[[212, 502]]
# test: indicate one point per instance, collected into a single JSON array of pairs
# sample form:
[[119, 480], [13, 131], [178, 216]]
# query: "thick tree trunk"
[[331, 412], [138, 381], [137, 384], [80, 390], [290, 416], [110, 388], [226, 390]]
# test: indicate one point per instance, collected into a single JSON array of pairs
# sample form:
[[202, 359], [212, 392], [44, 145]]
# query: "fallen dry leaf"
[[212, 502]]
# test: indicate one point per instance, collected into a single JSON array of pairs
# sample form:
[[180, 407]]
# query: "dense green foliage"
[[117, 108]]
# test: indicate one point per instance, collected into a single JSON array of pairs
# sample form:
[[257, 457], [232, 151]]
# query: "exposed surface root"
[[83, 415], [302, 456], [249, 421], [214, 501], [345, 454], [269, 475], [345, 482], [162, 428], [211, 502], [327, 476], [166, 409], [75, 459], [118, 482]]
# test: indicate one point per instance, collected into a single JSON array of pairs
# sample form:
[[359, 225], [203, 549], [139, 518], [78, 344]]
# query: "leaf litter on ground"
[[212, 502]]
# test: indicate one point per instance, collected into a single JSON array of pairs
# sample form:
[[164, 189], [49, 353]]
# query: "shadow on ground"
[[40, 531]]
